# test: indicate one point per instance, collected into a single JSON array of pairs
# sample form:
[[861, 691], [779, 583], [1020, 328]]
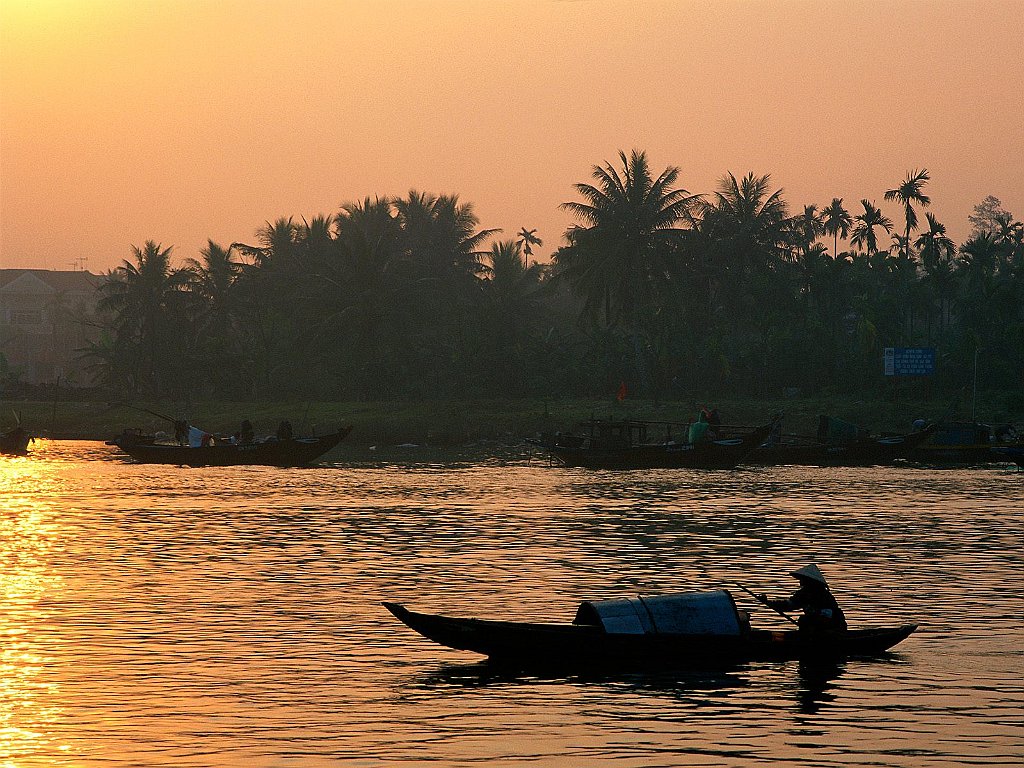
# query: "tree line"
[[669, 292]]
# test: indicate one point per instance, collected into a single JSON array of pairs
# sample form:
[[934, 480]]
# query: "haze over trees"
[[675, 293]]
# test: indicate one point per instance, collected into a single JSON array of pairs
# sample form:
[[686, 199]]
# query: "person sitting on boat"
[[699, 429], [245, 433], [197, 438], [821, 612], [181, 432], [714, 423], [284, 430]]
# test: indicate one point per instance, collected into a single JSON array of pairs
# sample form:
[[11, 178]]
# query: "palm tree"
[[906, 194], [621, 254], [809, 226], [744, 233], [146, 298], [837, 222], [864, 229], [526, 239], [215, 276], [937, 251]]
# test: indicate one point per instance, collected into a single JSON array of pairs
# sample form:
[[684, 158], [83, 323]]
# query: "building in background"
[[44, 320]]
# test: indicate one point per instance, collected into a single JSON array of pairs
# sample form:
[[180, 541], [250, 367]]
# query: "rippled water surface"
[[157, 616]]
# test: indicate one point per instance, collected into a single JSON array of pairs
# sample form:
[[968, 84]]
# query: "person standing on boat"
[[821, 612]]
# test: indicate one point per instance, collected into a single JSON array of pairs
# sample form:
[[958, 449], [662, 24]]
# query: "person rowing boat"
[[821, 612]]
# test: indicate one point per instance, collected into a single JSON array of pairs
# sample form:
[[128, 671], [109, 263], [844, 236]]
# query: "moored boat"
[[15, 441], [626, 444], [689, 629], [272, 451], [965, 442], [863, 450], [1011, 453]]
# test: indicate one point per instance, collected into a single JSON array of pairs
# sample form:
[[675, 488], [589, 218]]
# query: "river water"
[[162, 616]]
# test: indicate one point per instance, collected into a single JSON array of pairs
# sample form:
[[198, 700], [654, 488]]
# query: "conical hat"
[[810, 572]]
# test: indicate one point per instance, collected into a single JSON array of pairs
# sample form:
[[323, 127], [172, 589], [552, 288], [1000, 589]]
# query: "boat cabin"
[[687, 613]]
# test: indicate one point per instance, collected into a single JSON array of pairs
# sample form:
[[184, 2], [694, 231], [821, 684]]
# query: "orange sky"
[[182, 120]]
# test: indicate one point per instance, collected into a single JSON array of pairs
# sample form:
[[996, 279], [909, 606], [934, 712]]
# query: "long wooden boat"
[[861, 451], [15, 442], [961, 442], [293, 452], [607, 641], [624, 445]]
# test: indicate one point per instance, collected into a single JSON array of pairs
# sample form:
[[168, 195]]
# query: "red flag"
[[622, 392]]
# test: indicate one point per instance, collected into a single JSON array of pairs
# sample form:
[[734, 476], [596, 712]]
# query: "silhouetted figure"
[[714, 423], [181, 432], [821, 612], [245, 433], [284, 430]]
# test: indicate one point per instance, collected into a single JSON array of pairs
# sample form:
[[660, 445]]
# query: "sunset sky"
[[182, 120]]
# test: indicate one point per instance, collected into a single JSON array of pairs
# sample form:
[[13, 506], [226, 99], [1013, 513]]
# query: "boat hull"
[[294, 452], [15, 442], [574, 645], [717, 454], [858, 453]]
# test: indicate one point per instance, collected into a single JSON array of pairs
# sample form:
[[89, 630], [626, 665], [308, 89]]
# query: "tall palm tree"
[[864, 229], [937, 252], [616, 259], [527, 238], [809, 225], [837, 222], [907, 194]]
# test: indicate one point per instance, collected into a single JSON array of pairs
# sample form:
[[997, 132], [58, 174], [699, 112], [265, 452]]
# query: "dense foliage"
[[670, 292]]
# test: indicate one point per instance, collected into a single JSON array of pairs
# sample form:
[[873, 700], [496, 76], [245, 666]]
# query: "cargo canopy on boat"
[[688, 613]]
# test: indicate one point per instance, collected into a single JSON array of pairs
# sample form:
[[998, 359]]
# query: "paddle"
[[790, 619]]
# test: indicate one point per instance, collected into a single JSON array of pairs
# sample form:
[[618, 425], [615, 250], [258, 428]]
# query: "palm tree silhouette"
[[837, 222], [526, 239], [906, 194], [864, 229], [616, 259]]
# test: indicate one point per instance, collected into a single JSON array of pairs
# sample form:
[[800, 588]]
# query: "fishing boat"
[[626, 444], [964, 442], [271, 451], [15, 442], [686, 629], [863, 450]]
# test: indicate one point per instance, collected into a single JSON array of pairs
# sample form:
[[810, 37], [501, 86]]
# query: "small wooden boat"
[[625, 445], [15, 441], [860, 451], [690, 629], [291, 452]]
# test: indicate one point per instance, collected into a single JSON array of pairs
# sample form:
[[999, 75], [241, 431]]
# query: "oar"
[[790, 619]]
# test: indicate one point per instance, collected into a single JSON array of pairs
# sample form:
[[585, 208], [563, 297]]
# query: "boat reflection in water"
[[813, 687]]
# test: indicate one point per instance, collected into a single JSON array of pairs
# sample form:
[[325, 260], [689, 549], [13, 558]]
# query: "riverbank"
[[457, 422]]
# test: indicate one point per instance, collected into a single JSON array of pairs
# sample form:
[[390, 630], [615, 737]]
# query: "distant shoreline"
[[445, 423]]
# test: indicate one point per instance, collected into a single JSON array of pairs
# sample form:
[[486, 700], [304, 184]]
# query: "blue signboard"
[[909, 361]]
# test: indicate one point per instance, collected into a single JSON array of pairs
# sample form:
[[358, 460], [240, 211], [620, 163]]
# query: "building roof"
[[61, 281]]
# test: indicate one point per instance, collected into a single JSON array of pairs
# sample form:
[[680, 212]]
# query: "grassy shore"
[[457, 422]]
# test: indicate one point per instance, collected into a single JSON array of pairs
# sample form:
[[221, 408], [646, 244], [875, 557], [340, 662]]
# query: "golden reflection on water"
[[29, 529], [231, 616]]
